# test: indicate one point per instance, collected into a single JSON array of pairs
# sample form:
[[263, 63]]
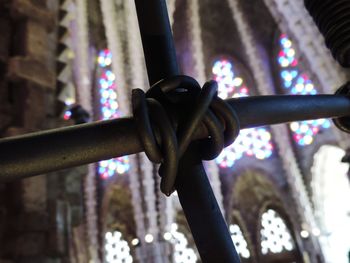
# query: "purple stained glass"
[[297, 82], [109, 110], [251, 142]]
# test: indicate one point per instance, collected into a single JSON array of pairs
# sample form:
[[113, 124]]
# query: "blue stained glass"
[[251, 142], [109, 110], [298, 83]]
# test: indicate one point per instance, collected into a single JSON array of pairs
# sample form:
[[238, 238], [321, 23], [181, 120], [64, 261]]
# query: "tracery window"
[[275, 236], [239, 241], [182, 252], [297, 82], [251, 142], [116, 248], [109, 110]]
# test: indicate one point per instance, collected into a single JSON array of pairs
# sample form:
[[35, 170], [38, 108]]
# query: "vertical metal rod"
[[157, 39], [202, 212]]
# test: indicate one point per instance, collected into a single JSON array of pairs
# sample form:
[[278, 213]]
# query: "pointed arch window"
[[239, 241], [109, 110], [116, 248], [251, 142], [297, 82], [275, 236], [182, 251]]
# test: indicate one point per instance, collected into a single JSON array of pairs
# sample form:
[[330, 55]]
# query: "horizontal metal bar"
[[57, 149], [268, 110]]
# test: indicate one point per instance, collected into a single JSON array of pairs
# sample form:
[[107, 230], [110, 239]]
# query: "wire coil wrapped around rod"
[[174, 108], [332, 18]]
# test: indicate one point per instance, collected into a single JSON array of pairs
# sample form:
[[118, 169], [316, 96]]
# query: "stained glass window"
[[275, 236], [67, 115], [182, 253], [116, 248], [297, 82], [251, 142], [109, 110], [239, 241]]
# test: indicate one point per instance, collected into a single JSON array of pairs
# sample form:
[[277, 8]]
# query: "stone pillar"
[[27, 84], [5, 107]]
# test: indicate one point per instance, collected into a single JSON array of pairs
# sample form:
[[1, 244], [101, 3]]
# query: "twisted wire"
[[174, 108]]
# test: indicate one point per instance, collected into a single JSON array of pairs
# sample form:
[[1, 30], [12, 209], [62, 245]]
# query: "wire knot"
[[343, 123], [169, 116]]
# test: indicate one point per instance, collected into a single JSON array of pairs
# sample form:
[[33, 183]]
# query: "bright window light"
[[116, 248], [275, 236]]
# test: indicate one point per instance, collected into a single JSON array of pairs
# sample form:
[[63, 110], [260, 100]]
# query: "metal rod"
[[56, 149], [161, 63], [268, 110], [202, 211], [157, 40], [52, 150]]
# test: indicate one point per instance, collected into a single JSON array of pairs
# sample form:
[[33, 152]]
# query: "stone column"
[[30, 75]]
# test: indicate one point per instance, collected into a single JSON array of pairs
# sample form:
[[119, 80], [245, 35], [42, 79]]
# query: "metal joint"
[[176, 107]]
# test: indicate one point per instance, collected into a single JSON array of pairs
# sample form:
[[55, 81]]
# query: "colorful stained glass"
[[109, 110], [67, 115], [297, 82], [251, 142]]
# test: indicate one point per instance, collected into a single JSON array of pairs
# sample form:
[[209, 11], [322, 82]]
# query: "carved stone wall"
[[39, 216]]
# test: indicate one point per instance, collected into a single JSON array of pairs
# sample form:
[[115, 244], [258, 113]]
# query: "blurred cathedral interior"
[[283, 189]]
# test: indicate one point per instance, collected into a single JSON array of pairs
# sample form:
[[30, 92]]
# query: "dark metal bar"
[[161, 63], [157, 40], [52, 150], [202, 212], [57, 149], [268, 110]]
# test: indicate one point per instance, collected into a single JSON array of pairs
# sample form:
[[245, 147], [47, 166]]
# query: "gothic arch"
[[116, 207], [220, 35], [251, 189], [116, 216], [264, 185], [254, 192], [330, 189]]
